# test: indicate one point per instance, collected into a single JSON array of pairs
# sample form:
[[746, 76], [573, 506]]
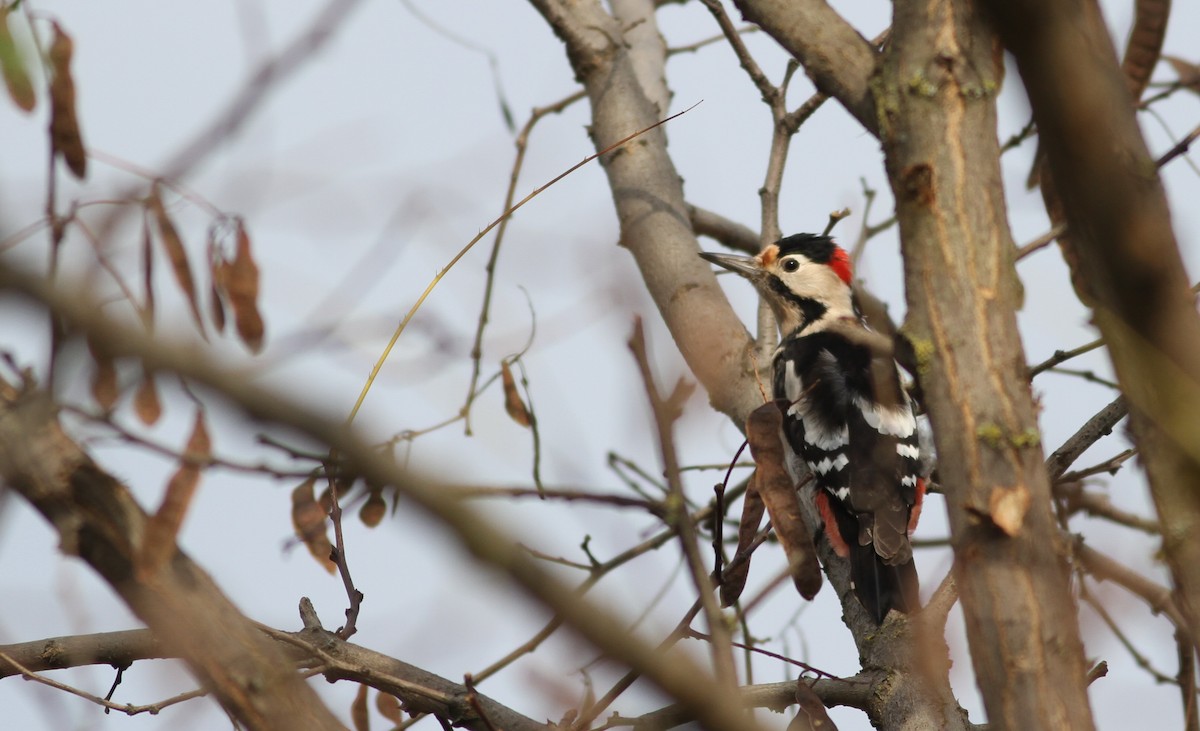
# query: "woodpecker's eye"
[[790, 265]]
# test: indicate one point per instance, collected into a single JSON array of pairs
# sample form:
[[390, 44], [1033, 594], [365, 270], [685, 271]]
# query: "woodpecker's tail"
[[880, 587]]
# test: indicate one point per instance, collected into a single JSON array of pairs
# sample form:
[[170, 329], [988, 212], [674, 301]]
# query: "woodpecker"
[[846, 415]]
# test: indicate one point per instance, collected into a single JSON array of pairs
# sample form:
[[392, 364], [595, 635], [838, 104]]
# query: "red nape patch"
[[915, 514], [840, 264], [831, 527]]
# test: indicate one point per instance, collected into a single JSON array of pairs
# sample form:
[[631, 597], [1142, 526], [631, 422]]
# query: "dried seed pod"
[[359, 713], [158, 544], [308, 519], [733, 581], [104, 379], [146, 403], [148, 275], [240, 281], [176, 253], [216, 274], [779, 494], [65, 137], [16, 76], [373, 510], [388, 707], [513, 403]]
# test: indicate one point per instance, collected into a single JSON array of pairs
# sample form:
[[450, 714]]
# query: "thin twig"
[[522, 144], [126, 708], [666, 411], [354, 596], [470, 244]]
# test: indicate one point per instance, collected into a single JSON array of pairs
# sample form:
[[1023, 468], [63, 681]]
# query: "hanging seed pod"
[[513, 403], [241, 283], [65, 137], [146, 403], [176, 253], [163, 528]]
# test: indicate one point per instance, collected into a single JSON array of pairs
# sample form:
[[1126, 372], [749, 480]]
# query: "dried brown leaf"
[[1188, 73], [158, 543], [513, 403], [388, 707], [16, 76], [146, 403], [308, 519], [240, 281], [65, 137], [359, 713], [104, 379], [176, 253], [733, 581], [779, 495], [373, 510], [811, 714]]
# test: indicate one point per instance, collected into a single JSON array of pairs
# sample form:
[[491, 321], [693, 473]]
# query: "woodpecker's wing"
[[853, 426]]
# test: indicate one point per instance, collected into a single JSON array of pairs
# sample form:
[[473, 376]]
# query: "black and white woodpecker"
[[846, 415]]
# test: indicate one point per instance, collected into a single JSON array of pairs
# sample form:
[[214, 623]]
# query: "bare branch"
[[835, 56]]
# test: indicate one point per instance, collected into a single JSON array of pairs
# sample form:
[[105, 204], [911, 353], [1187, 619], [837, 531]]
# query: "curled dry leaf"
[[104, 378], [16, 76], [781, 499], [176, 253], [513, 403], [308, 519], [65, 137], [811, 714], [146, 403], [239, 280], [734, 580], [158, 543], [359, 713], [388, 707]]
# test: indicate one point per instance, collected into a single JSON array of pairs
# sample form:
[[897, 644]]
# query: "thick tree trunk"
[[1122, 251], [936, 100]]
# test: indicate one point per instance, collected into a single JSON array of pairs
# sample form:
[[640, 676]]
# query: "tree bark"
[[1123, 252], [937, 121]]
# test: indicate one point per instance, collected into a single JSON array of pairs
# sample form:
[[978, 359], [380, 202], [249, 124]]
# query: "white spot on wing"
[[896, 422], [908, 450], [793, 387], [909, 480]]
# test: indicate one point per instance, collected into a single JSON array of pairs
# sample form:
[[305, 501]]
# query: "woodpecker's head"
[[805, 279]]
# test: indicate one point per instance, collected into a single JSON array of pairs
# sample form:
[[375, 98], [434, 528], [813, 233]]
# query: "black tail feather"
[[880, 587]]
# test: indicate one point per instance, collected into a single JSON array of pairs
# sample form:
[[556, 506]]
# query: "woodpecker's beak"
[[748, 266]]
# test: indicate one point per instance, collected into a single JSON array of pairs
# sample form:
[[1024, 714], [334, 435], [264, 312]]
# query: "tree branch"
[[98, 520], [1122, 251], [835, 56]]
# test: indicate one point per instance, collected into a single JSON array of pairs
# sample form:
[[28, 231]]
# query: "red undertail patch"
[[915, 514], [831, 526]]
